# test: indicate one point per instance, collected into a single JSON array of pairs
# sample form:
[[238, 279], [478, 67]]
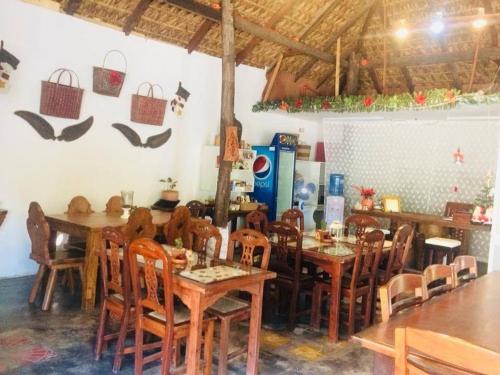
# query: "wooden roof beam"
[[72, 6], [451, 66], [372, 73], [333, 39], [134, 18], [408, 79], [199, 35], [276, 17], [251, 28]]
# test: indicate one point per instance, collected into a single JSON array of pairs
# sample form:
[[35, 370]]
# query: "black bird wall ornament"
[[46, 131], [153, 141]]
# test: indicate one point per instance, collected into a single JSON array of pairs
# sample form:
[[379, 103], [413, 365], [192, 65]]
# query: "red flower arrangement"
[[298, 103], [420, 98], [365, 192], [115, 78], [368, 101]]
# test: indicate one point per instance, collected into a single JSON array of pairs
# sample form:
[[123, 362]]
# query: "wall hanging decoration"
[[231, 149], [181, 97], [8, 63], [148, 109], [61, 100], [46, 131], [153, 141], [107, 81]]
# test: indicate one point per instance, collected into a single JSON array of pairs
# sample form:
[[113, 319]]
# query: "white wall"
[[102, 163]]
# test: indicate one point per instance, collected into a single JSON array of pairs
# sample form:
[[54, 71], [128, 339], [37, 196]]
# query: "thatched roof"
[[419, 62]]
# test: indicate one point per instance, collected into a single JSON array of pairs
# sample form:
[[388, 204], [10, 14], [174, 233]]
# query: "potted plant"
[[179, 258], [366, 197], [170, 194]]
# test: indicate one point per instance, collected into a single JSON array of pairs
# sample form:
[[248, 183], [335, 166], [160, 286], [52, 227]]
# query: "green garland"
[[431, 99]]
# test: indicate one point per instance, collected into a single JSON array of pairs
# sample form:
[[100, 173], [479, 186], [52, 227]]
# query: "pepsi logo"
[[262, 167]]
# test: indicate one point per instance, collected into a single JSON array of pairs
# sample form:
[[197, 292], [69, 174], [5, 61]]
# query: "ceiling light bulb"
[[437, 25], [479, 23], [402, 31]]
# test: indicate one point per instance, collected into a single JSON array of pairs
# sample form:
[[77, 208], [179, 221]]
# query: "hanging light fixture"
[[458, 157], [437, 25], [402, 31], [480, 21]]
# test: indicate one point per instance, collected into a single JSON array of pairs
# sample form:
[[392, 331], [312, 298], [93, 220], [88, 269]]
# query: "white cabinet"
[[242, 178]]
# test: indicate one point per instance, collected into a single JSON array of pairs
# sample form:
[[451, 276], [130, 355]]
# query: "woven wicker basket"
[[60, 100], [106, 81], [148, 109]]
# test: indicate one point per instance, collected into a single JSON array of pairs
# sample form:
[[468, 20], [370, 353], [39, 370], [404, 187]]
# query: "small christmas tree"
[[486, 194]]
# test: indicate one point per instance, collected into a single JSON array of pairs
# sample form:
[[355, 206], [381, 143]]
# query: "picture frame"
[[392, 203]]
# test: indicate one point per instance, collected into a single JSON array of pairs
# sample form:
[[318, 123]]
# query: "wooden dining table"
[[470, 312], [88, 227], [335, 259]]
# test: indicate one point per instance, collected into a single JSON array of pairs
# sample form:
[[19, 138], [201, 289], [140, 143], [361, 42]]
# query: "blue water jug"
[[336, 186]]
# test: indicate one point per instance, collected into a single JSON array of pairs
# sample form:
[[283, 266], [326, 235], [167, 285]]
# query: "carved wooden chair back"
[[177, 226], [465, 267], [295, 217], [139, 225], [150, 286], [257, 220], [401, 245], [439, 279], [79, 205], [201, 234], [360, 223], [39, 232], [115, 270], [114, 206], [449, 211], [282, 234], [196, 208], [250, 240], [401, 292], [368, 252], [442, 353]]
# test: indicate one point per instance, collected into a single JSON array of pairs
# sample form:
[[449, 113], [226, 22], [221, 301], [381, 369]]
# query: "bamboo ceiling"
[[316, 24]]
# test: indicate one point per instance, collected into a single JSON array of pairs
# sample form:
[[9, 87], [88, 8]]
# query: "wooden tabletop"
[[415, 217], [471, 313], [99, 220]]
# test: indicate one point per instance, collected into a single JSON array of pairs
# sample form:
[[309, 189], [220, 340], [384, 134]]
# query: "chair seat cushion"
[[443, 242], [181, 315], [228, 305]]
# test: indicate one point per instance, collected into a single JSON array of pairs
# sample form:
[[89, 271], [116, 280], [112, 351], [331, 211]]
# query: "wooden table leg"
[[333, 321], [90, 269], [195, 327], [254, 330]]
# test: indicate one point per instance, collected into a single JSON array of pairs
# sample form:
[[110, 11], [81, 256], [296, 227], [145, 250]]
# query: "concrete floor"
[[62, 341]]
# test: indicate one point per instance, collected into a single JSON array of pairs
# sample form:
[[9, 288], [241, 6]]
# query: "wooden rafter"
[[199, 35], [71, 6], [372, 73], [134, 18], [451, 66], [252, 28], [333, 39], [409, 81], [286, 7]]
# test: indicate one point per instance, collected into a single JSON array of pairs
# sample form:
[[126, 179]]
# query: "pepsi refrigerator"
[[274, 170]]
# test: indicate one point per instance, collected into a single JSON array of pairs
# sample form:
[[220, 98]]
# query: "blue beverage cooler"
[[274, 170]]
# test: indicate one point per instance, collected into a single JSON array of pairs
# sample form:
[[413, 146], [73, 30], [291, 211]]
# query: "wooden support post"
[[227, 114], [337, 69], [352, 82], [272, 79]]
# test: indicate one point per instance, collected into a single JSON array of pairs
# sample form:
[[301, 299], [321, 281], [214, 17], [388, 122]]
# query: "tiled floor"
[[62, 341]]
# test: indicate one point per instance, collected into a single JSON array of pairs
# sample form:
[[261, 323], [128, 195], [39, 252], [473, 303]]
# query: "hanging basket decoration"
[[231, 149], [109, 82], [425, 100], [148, 109], [61, 100]]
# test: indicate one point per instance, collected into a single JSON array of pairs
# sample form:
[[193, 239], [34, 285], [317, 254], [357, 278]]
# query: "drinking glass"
[[127, 202]]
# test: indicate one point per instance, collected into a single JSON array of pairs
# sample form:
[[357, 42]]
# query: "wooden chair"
[[360, 223], [200, 235], [139, 225], [257, 220], [159, 318], [177, 227], [196, 208], [288, 266], [360, 283], [231, 309], [439, 279], [465, 267], [401, 245], [114, 205], [295, 217], [79, 205], [401, 292], [426, 352], [39, 232]]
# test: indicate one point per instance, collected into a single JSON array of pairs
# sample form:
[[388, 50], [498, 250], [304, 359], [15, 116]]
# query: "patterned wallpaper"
[[414, 159]]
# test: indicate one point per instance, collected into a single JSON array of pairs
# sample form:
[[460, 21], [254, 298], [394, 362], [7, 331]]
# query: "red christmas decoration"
[[326, 105], [420, 98], [298, 103], [368, 101], [364, 61], [215, 6], [115, 78]]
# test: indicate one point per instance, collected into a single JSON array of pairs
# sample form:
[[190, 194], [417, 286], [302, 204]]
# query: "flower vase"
[[367, 204]]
